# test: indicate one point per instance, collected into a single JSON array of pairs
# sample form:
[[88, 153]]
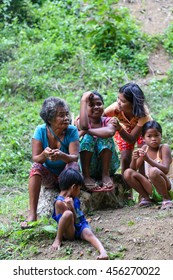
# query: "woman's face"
[[95, 107], [123, 104], [62, 118]]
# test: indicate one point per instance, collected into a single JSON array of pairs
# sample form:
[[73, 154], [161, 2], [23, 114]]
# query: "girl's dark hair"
[[149, 125], [69, 177], [133, 93], [50, 107], [98, 94]]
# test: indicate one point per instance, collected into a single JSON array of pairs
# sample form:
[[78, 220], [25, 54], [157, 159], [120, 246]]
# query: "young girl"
[[98, 156], [131, 114], [71, 220], [157, 183]]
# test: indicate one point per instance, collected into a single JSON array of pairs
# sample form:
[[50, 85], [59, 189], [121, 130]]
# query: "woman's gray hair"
[[50, 108]]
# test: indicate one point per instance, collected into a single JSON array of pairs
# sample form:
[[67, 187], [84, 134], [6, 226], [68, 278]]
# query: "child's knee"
[[154, 172], [128, 173], [87, 234], [68, 215]]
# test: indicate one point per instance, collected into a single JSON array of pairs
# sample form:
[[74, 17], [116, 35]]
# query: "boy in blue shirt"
[[72, 223]]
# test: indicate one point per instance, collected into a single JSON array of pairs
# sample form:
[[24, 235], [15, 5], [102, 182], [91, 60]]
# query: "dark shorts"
[[79, 228]]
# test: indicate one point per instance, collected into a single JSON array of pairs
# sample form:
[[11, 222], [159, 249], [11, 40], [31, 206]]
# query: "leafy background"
[[63, 48]]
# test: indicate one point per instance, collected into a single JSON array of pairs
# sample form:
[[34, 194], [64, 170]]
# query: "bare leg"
[[160, 181], [106, 156], [138, 182], [126, 157], [85, 157], [34, 191], [65, 229], [89, 236], [73, 165]]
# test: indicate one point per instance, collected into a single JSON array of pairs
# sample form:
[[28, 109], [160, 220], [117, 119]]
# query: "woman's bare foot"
[[107, 183], [31, 218], [91, 185]]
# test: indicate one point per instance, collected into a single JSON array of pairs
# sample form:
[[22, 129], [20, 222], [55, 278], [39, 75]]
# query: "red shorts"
[[123, 145], [49, 180]]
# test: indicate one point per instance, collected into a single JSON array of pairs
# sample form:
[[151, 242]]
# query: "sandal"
[[26, 225], [166, 204], [145, 202], [93, 187], [108, 187]]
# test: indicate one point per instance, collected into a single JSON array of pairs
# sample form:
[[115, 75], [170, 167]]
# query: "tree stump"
[[89, 201]]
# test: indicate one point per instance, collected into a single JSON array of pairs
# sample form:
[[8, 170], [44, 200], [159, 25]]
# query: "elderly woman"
[[55, 146]]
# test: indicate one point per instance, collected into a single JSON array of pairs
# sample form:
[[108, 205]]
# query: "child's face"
[[123, 104], [95, 107], [153, 138]]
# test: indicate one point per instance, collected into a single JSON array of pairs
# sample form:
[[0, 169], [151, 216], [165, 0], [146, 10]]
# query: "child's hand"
[[115, 122], [136, 154], [143, 154], [69, 202]]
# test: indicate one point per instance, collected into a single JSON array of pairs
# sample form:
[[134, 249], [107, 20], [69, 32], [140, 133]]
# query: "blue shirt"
[[71, 135], [81, 222]]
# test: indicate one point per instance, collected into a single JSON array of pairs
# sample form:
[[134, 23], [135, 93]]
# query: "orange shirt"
[[128, 125]]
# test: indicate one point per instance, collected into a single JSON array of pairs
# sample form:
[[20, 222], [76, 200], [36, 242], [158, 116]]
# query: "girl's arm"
[[84, 122], [132, 136], [128, 137], [166, 159]]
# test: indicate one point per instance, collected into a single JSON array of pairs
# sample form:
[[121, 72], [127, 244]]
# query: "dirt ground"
[[128, 233], [131, 233]]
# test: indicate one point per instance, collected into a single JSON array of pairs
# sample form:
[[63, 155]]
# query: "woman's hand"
[[87, 96], [48, 152], [115, 122], [52, 154], [55, 155]]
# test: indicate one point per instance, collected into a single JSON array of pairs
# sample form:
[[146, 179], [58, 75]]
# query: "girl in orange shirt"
[[131, 113]]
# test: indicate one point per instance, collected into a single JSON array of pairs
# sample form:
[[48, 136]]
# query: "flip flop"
[[26, 225], [93, 187], [108, 187], [145, 203], [166, 204]]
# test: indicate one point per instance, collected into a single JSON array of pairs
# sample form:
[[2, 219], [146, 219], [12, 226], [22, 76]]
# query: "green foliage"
[[160, 99], [168, 39], [66, 47]]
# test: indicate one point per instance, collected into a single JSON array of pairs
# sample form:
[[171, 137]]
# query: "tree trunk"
[[89, 201]]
